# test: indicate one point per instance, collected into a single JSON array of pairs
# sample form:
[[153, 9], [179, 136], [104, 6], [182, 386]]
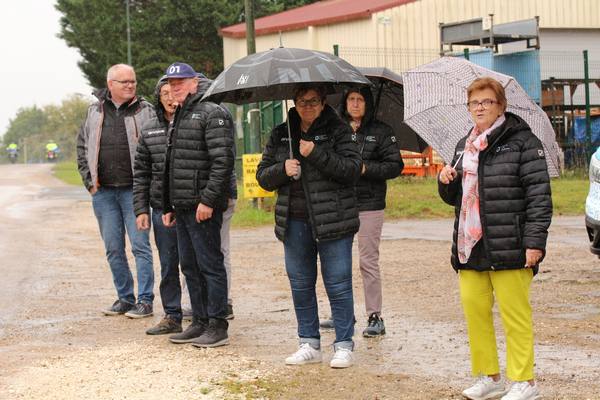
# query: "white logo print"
[[243, 79], [221, 122], [541, 153]]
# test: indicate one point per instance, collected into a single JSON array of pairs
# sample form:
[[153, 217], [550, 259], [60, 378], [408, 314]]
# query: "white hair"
[[112, 71]]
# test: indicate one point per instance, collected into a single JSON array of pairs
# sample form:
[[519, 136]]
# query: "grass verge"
[[407, 198]]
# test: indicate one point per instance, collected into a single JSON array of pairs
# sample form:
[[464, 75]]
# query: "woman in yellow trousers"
[[500, 188]]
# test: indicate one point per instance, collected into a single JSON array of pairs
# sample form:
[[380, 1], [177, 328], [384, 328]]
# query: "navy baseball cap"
[[180, 70]]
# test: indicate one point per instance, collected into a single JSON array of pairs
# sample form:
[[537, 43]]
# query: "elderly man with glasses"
[[106, 145]]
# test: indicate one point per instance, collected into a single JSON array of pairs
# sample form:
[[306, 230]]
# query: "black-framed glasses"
[[485, 103], [125, 83], [310, 102]]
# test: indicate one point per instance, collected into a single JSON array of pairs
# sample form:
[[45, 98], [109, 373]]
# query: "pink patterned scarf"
[[469, 223]]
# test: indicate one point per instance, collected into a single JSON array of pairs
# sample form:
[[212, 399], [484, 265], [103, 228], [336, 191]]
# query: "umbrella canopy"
[[388, 94], [276, 74], [436, 109]]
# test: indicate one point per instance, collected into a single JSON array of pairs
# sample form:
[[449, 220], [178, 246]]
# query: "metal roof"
[[319, 13]]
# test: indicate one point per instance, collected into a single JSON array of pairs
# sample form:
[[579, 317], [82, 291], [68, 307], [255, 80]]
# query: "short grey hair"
[[110, 74]]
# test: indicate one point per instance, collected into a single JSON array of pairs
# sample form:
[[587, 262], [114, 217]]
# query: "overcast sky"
[[37, 67]]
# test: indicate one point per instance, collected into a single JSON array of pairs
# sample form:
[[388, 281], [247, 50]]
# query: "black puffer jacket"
[[201, 158], [380, 154], [514, 195], [328, 174], [150, 159]]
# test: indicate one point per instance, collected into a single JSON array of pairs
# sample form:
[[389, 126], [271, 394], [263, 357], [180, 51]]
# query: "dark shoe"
[[119, 307], [375, 327], [230, 315], [214, 336], [327, 324], [141, 310], [187, 313], [195, 330], [167, 325]]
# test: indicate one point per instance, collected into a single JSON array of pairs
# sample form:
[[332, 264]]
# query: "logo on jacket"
[[243, 79], [285, 139], [354, 137], [196, 116], [541, 153], [503, 148], [393, 139], [221, 122], [155, 132], [370, 139], [319, 138]]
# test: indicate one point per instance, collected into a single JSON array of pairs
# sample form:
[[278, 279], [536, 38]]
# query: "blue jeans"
[[301, 251], [202, 263], [170, 288], [113, 208]]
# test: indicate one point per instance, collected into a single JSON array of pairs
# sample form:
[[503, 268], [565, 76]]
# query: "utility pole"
[[128, 33], [253, 144]]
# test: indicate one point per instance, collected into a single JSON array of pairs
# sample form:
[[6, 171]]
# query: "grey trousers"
[[225, 244], [369, 236]]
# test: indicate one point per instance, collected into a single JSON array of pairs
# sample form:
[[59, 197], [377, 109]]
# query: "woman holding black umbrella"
[[381, 161], [501, 194], [315, 215]]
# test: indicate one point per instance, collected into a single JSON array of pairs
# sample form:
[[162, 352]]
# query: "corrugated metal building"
[[401, 34]]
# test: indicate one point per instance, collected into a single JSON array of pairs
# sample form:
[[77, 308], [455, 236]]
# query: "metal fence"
[[561, 78]]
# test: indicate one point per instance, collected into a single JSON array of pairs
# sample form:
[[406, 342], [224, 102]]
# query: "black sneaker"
[[230, 315], [166, 325], [141, 310], [195, 330], [214, 336], [375, 327], [119, 307]]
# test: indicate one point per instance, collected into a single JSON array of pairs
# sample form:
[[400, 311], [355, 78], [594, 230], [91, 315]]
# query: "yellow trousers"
[[511, 290]]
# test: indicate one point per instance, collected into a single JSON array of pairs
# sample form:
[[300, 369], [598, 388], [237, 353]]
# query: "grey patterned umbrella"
[[435, 106], [276, 74]]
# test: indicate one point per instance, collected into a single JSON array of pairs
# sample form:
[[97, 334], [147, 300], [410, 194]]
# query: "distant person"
[[200, 159], [381, 160], [106, 146], [148, 188], [12, 151], [52, 150], [316, 216], [500, 190]]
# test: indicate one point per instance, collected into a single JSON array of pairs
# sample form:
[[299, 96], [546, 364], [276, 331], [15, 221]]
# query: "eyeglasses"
[[125, 83], [485, 103], [310, 102]]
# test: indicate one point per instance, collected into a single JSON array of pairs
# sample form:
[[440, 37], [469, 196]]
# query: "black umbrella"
[[388, 93], [276, 74]]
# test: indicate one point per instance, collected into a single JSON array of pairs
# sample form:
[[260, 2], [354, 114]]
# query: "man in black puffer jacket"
[[381, 161], [198, 166], [147, 192]]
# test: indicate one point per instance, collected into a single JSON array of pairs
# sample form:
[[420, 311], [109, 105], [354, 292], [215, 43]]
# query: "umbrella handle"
[[458, 160], [297, 176]]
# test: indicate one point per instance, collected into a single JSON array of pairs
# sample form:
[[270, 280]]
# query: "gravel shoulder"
[[55, 344]]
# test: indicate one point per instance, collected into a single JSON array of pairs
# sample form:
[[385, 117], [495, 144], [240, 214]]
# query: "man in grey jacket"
[[106, 145]]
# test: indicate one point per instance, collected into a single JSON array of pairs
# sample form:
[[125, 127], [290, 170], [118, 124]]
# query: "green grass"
[[407, 198], [67, 172]]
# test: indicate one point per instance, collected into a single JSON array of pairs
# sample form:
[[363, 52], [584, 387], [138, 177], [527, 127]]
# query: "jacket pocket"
[[196, 182]]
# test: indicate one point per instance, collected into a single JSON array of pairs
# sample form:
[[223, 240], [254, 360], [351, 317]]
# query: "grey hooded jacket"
[[88, 138]]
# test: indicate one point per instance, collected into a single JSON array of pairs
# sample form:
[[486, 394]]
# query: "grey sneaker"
[[214, 336], [141, 310], [230, 315], [327, 324], [166, 325], [375, 327], [119, 307], [195, 330]]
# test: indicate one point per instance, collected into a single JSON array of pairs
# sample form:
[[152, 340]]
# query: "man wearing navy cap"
[[199, 163]]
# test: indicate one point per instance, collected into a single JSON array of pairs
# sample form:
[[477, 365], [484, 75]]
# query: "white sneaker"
[[485, 388], [522, 391], [342, 358], [305, 355]]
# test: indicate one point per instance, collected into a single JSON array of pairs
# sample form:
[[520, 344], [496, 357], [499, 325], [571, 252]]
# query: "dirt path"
[[55, 344]]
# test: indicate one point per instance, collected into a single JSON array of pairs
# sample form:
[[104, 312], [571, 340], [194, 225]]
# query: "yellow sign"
[[251, 187]]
